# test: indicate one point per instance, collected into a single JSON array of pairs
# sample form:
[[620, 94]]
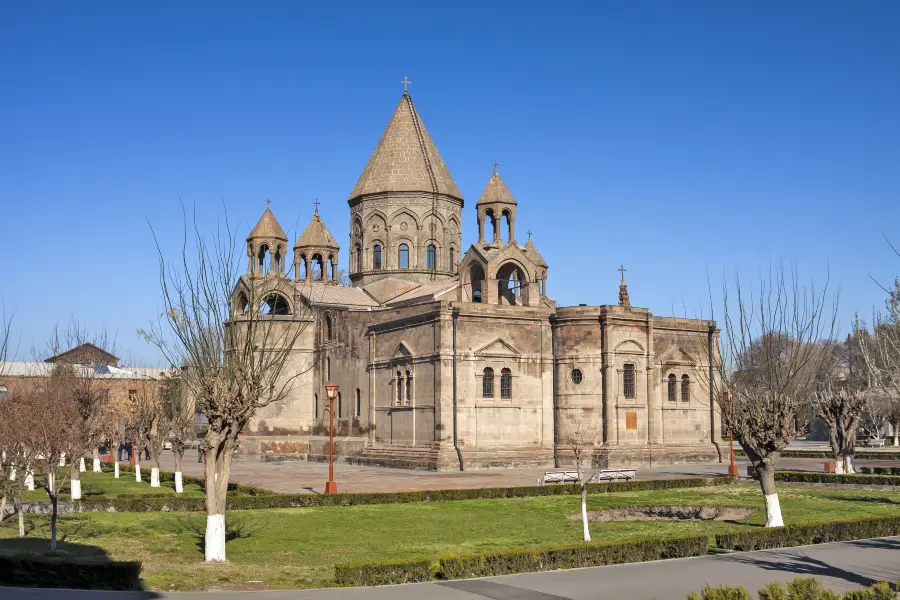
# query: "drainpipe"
[[712, 407], [555, 389], [455, 314]]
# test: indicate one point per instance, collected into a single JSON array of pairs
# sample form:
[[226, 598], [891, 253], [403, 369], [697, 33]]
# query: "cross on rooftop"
[[268, 202], [496, 164], [406, 82], [622, 270], [317, 205], [529, 234]]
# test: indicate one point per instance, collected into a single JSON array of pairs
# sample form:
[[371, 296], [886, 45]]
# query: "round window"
[[577, 376]]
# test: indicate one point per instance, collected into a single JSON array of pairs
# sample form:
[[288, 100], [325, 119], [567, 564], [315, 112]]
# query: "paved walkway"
[[841, 567], [310, 477]]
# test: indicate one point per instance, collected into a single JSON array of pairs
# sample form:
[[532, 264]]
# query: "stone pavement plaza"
[[302, 476]]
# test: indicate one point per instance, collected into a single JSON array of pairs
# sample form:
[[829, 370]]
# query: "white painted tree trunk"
[[215, 538], [97, 468], [50, 483], [137, 472], [76, 489], [62, 459], [584, 516], [116, 469], [849, 464], [29, 481], [179, 487], [81, 466], [154, 477], [839, 467], [12, 473], [773, 511]]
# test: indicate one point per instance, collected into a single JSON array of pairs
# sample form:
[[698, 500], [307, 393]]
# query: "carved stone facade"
[[442, 360]]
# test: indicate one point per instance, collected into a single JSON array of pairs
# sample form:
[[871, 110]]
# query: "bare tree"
[[235, 334], [773, 354], [881, 352], [179, 414], [840, 400], [150, 424], [589, 454]]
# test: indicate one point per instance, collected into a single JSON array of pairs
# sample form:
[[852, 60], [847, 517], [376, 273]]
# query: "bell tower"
[[266, 245]]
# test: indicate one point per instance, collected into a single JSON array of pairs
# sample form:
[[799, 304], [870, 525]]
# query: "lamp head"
[[331, 389]]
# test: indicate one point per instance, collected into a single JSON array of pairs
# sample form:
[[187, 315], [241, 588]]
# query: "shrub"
[[879, 470], [720, 593], [815, 533], [386, 573], [37, 570], [799, 589], [864, 455], [805, 477]]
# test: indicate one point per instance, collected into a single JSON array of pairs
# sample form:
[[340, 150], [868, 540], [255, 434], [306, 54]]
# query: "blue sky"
[[679, 139]]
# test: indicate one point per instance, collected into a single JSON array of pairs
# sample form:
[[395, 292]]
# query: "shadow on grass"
[[235, 528], [867, 499]]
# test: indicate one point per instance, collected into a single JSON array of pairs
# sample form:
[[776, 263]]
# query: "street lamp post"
[[732, 467], [331, 389]]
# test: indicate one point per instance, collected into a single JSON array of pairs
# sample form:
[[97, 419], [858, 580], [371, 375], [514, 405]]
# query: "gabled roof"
[[496, 191], [533, 255], [87, 354], [319, 293], [316, 235], [268, 228], [405, 159]]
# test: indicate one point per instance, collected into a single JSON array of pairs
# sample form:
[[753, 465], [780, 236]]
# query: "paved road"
[[841, 566]]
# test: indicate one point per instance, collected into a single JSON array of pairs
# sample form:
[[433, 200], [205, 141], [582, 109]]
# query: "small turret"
[[315, 249], [266, 245], [495, 203]]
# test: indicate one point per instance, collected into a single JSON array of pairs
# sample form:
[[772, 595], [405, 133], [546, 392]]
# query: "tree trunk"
[[29, 480], [179, 486], [21, 511], [3, 508], [584, 515], [766, 472], [897, 433], [81, 466], [116, 469], [217, 470], [75, 483], [51, 482], [97, 468], [53, 523], [19, 508], [154, 477], [137, 471]]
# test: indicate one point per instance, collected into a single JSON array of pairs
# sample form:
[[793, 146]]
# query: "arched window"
[[328, 368], [318, 267], [316, 402], [505, 384], [451, 260], [672, 388], [243, 305], [628, 376], [358, 404], [685, 388], [329, 330], [274, 304], [431, 257], [403, 257], [340, 406], [261, 258], [301, 268], [376, 257], [476, 280], [399, 388], [359, 258], [408, 388], [487, 383]]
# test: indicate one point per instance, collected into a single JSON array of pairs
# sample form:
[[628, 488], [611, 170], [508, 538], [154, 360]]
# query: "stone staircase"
[[400, 456]]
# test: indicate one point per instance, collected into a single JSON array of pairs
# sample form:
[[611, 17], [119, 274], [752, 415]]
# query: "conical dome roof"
[[496, 191], [405, 159], [316, 235], [532, 253], [268, 228]]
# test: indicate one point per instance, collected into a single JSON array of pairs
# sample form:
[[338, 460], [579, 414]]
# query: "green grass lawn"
[[95, 485], [288, 548]]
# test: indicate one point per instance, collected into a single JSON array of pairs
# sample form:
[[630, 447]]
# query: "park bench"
[[572, 476], [875, 443]]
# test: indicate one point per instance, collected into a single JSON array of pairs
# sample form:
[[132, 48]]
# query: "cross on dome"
[[622, 270], [406, 82]]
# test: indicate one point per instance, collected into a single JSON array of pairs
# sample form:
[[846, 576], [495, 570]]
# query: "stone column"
[[372, 388], [512, 230], [496, 223], [480, 229]]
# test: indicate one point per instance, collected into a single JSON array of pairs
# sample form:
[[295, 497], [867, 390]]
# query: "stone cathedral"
[[450, 356]]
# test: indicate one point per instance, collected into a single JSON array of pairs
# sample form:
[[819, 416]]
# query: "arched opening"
[[671, 388], [376, 257], [494, 233], [487, 383], [318, 267], [628, 380], [505, 217], [358, 404], [275, 304], [408, 388], [505, 384], [451, 260], [685, 388], [329, 332], [329, 269], [359, 258], [316, 404], [261, 263], [476, 280], [399, 388], [511, 285], [403, 256], [340, 406], [302, 268], [243, 304], [431, 257]]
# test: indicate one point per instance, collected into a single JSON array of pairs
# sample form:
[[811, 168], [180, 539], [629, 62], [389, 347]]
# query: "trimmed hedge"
[[261, 502], [520, 560], [36, 570], [387, 573], [798, 589], [864, 455], [879, 470], [814, 533], [804, 477]]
